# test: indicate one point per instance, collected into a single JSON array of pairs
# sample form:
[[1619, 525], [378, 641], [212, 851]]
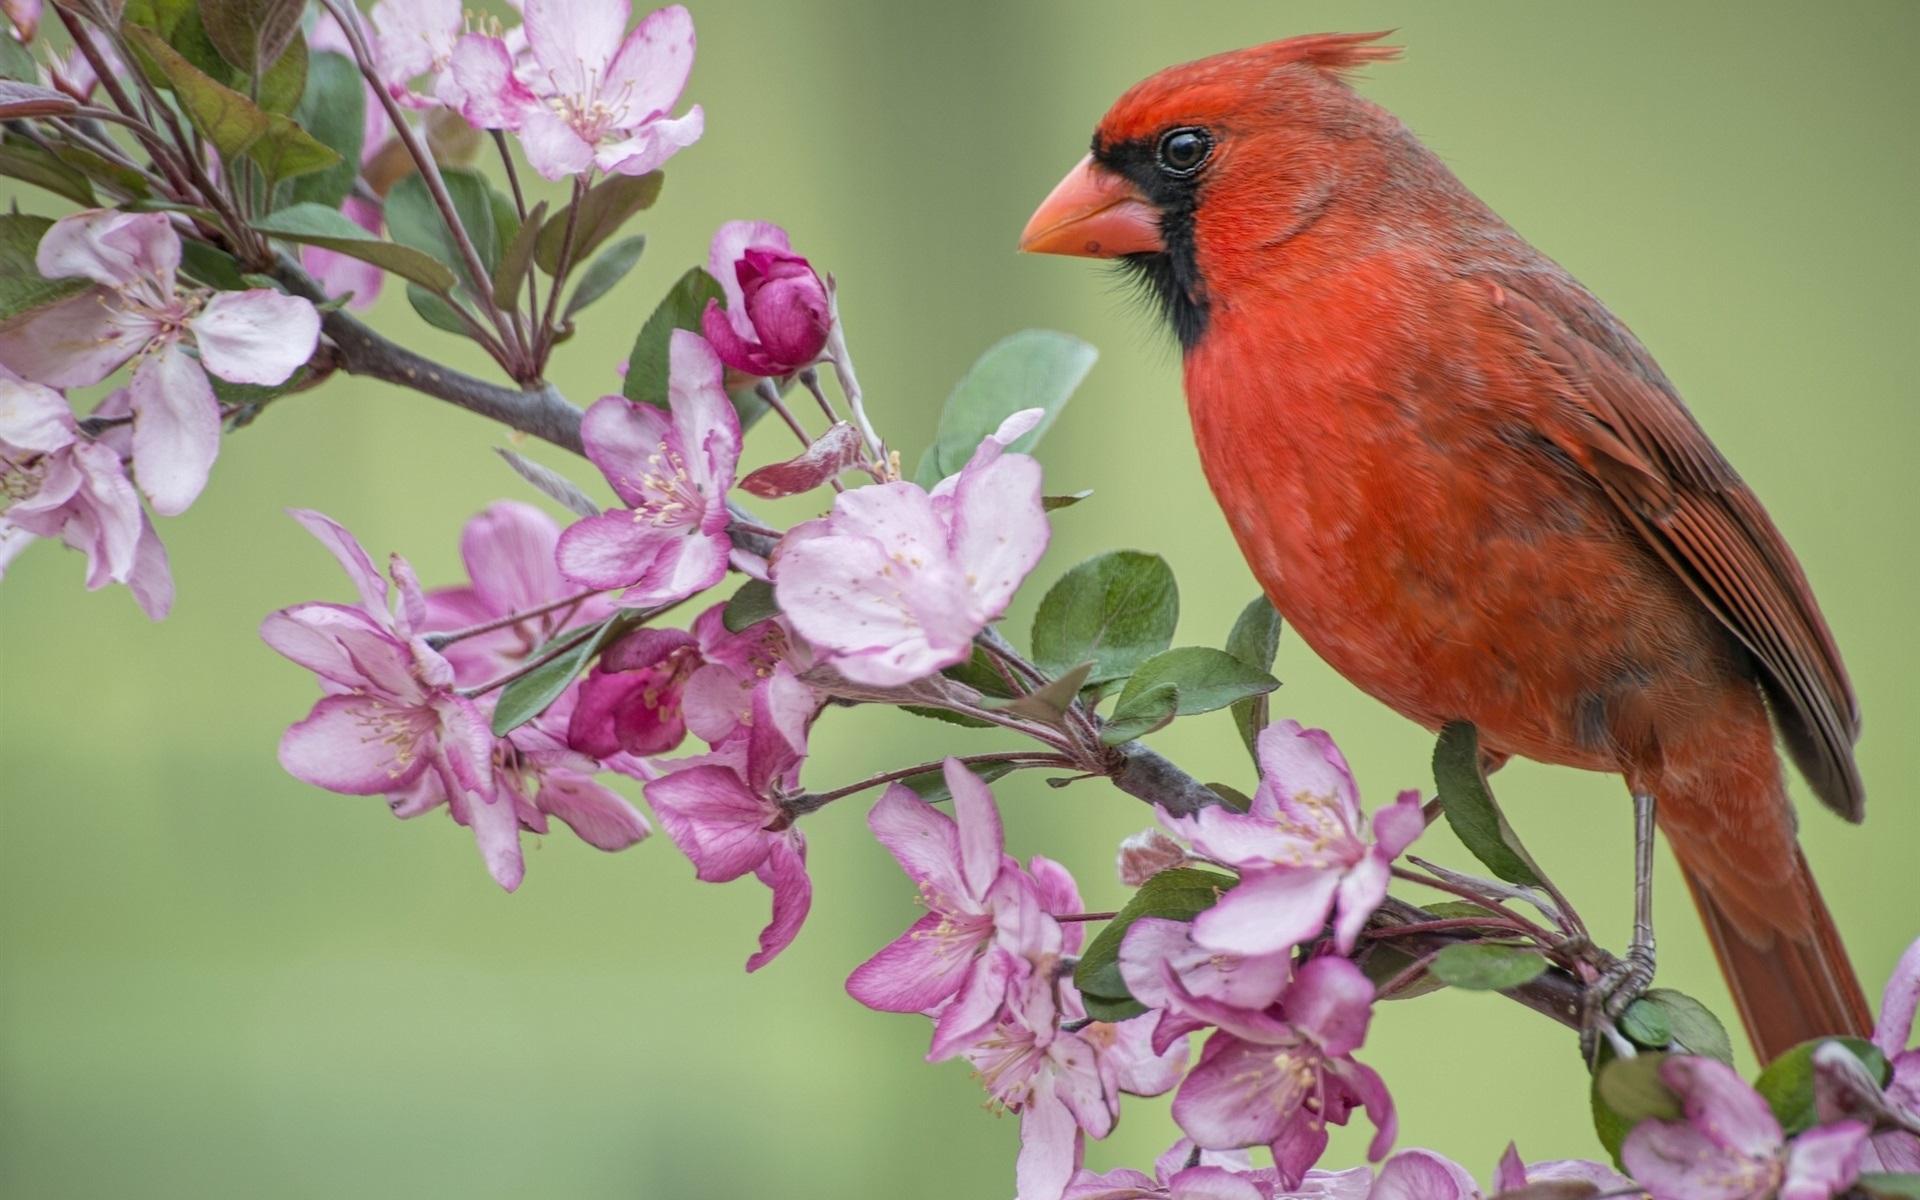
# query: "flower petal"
[[111, 248], [999, 531], [1675, 1161], [1268, 912], [921, 838], [1050, 1147], [508, 552], [176, 429], [357, 745], [611, 550], [1332, 1000], [598, 816], [1722, 1105], [982, 845], [573, 41], [553, 148], [75, 343], [785, 872], [1236, 1095], [479, 83], [258, 337], [916, 971], [652, 144], [352, 557], [715, 821], [651, 69], [1423, 1175]]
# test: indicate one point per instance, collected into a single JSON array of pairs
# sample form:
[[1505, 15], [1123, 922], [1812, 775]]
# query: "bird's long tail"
[[1788, 989], [1730, 825]]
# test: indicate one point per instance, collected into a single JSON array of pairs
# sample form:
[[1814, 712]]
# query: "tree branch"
[[1132, 767]]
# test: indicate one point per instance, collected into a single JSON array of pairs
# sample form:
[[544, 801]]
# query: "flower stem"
[[442, 640], [1016, 758], [1544, 936], [842, 360], [770, 393]]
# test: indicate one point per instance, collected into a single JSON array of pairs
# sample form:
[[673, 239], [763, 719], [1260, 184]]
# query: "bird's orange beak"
[[1093, 213]]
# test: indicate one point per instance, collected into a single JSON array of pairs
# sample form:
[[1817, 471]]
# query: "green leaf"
[[1142, 712], [318, 225], [1383, 963], [1052, 503], [250, 32], [605, 272], [16, 62], [1179, 894], [1235, 798], [1255, 641], [1208, 679], [947, 715], [286, 80], [515, 260], [932, 785], [551, 484], [1880, 1185], [679, 309], [528, 696], [1486, 967], [1118, 610], [1048, 703], [1627, 1091], [1647, 1025], [22, 289], [215, 268], [750, 605], [1694, 1028], [30, 164], [979, 674], [333, 109], [1787, 1082], [413, 219], [1471, 811], [436, 311], [234, 124], [607, 206], [1035, 368]]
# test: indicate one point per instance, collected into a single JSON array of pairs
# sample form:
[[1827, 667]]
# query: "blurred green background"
[[215, 981]]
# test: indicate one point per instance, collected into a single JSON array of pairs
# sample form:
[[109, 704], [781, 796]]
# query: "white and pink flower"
[[176, 337], [593, 94], [896, 581]]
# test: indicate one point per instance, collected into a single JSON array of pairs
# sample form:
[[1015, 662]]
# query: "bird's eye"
[[1184, 151]]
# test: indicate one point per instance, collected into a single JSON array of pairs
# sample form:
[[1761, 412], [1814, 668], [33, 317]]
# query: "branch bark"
[[544, 413]]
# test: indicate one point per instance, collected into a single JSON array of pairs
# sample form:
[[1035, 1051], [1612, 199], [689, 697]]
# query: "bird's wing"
[[1626, 426]]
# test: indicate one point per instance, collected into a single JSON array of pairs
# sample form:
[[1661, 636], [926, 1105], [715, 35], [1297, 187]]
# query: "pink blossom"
[[1279, 1080], [593, 95], [727, 817], [673, 473], [508, 550], [777, 314], [1212, 1175], [414, 38], [1301, 850], [987, 920], [138, 312], [1898, 1150], [1064, 1084], [895, 583], [55, 482], [654, 685], [391, 722], [1512, 1174], [1155, 948], [1423, 1175], [1730, 1147]]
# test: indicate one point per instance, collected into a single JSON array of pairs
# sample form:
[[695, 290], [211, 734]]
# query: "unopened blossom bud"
[[1145, 855], [777, 315]]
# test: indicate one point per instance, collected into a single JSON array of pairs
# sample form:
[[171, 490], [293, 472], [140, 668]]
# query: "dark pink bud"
[[787, 304]]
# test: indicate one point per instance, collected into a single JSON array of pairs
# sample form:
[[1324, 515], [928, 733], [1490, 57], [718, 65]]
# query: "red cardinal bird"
[[1472, 491]]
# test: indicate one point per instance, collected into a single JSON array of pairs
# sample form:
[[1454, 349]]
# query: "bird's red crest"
[[1223, 82]]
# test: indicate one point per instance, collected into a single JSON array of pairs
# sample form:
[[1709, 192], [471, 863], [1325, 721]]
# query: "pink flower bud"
[[777, 314], [1146, 854]]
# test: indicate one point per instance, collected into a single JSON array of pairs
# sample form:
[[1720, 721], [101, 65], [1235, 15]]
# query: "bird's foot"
[[1622, 982]]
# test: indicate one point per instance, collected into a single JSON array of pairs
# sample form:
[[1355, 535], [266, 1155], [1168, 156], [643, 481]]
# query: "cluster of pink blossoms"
[[65, 481], [986, 963]]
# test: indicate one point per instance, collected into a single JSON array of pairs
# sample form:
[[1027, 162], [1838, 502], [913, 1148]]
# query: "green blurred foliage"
[[215, 981]]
